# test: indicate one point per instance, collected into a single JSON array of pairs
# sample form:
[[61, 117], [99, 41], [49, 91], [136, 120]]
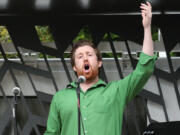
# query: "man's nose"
[[85, 57]]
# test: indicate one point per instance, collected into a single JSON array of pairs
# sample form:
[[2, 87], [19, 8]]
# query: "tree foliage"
[[4, 35], [45, 35]]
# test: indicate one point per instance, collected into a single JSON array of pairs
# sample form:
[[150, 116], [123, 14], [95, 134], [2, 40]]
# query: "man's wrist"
[[148, 28]]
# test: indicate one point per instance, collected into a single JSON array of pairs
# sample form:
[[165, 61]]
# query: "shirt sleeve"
[[53, 122], [132, 84]]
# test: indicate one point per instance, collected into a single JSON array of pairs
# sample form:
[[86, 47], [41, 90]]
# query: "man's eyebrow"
[[89, 52], [79, 54]]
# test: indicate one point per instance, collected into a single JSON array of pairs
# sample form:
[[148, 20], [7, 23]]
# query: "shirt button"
[[85, 118], [86, 131], [85, 96], [84, 106]]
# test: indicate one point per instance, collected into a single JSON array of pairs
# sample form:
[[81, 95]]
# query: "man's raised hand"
[[146, 12]]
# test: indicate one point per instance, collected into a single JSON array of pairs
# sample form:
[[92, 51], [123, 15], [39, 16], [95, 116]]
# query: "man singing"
[[102, 104]]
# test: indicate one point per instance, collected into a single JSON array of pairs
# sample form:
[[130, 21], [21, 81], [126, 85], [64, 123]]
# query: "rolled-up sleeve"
[[53, 122]]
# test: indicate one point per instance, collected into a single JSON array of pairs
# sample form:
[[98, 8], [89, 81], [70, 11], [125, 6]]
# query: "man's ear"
[[99, 64], [74, 68]]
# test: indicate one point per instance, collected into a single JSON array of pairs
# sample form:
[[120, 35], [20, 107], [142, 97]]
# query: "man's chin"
[[87, 76], [90, 77]]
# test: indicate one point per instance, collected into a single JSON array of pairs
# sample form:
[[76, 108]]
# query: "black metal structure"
[[65, 19]]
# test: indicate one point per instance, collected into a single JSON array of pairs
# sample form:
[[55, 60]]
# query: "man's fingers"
[[145, 8], [143, 4], [148, 4], [146, 11]]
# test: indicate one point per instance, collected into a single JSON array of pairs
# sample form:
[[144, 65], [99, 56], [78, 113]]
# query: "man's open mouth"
[[86, 67]]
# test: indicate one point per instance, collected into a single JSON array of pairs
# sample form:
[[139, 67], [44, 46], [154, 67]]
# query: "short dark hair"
[[81, 43]]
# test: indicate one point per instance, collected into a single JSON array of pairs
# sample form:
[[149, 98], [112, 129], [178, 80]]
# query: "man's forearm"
[[148, 47]]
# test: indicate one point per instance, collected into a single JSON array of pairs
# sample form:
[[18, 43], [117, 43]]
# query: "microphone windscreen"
[[16, 90], [81, 79]]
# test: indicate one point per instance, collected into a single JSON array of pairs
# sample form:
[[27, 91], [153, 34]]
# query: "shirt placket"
[[84, 111]]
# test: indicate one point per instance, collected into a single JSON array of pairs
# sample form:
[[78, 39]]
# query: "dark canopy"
[[119, 16], [82, 6]]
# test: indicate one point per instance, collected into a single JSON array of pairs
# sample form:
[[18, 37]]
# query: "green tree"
[[4, 35]]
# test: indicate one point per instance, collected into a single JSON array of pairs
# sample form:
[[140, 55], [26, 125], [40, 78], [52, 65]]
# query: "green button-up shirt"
[[101, 106]]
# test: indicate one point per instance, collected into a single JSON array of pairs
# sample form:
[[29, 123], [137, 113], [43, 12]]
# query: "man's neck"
[[85, 86]]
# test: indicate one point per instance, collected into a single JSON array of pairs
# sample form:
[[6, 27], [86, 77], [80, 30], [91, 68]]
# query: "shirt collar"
[[99, 83]]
